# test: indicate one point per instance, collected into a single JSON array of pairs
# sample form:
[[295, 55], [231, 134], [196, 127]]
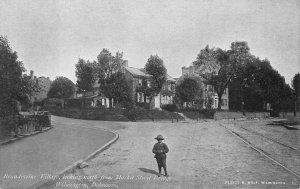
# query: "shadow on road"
[[149, 171]]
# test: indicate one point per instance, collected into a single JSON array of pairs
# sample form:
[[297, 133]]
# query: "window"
[[216, 102], [140, 97], [163, 99], [169, 87], [172, 87], [171, 100], [224, 102], [140, 82], [225, 91], [164, 87], [147, 99], [148, 84]]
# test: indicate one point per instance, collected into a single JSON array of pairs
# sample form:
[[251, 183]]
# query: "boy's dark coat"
[[160, 150]]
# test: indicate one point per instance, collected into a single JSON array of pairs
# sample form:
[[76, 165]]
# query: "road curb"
[[24, 136], [74, 166]]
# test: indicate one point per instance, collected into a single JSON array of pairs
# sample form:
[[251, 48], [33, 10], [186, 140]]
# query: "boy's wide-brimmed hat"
[[159, 137]]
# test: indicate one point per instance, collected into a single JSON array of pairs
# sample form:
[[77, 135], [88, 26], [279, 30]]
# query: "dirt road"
[[202, 155]]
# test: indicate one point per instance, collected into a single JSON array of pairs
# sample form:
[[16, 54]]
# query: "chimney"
[[31, 74]]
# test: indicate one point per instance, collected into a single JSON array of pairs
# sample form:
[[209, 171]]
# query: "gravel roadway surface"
[[202, 155], [49, 152]]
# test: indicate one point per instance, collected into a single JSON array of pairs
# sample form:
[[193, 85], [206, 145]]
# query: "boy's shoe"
[[166, 175], [159, 174]]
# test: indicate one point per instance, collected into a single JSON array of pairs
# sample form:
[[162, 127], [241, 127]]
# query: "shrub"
[[7, 125], [169, 107], [43, 120], [143, 105], [196, 113], [136, 113], [208, 113]]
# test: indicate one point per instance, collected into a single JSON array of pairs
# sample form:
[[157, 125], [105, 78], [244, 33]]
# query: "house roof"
[[137, 72], [169, 78], [142, 72]]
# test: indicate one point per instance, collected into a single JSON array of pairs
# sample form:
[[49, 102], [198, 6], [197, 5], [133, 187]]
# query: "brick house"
[[138, 78]]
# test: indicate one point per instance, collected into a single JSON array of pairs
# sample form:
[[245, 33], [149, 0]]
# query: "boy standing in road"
[[160, 149]]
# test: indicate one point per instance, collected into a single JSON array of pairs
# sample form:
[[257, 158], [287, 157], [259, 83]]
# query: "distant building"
[[208, 90], [94, 97], [37, 98], [136, 78], [44, 84]]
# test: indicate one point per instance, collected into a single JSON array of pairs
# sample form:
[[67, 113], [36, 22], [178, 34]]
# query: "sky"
[[50, 36]]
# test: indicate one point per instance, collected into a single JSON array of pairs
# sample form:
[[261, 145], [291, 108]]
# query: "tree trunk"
[[110, 102], [82, 104], [219, 101]]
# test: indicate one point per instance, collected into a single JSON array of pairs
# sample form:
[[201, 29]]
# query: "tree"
[[120, 89], [14, 87], [257, 84], [187, 90], [155, 67], [117, 87], [61, 88], [86, 75], [218, 67], [108, 65], [296, 84], [199, 99]]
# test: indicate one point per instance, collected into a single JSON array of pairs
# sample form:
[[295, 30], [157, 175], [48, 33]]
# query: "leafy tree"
[[218, 67], [61, 88], [296, 84], [198, 99], [120, 89], [155, 67], [14, 87], [187, 90], [256, 84], [86, 75], [107, 66]]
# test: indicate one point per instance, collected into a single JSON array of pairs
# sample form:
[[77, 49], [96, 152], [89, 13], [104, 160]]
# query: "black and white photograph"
[[139, 94]]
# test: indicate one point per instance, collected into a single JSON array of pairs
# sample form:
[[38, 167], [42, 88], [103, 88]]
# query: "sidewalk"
[[202, 155], [25, 161]]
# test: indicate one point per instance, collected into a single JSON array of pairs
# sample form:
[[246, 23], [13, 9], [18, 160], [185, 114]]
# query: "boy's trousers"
[[161, 162]]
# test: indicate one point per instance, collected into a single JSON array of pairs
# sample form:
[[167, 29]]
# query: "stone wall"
[[23, 125]]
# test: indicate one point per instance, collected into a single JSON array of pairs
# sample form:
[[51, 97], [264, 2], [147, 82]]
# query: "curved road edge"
[[71, 168]]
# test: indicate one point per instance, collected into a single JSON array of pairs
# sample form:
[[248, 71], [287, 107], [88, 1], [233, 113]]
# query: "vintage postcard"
[[149, 94]]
